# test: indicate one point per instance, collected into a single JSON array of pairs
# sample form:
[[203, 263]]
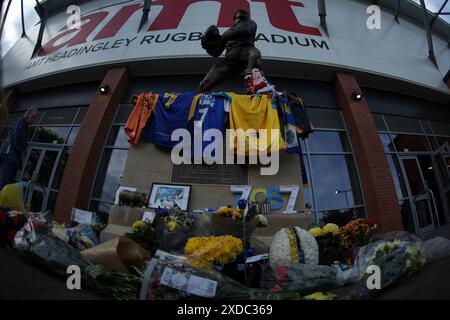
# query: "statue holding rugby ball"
[[240, 52]]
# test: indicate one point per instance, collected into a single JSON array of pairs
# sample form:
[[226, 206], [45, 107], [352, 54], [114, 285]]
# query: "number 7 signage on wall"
[[245, 192]]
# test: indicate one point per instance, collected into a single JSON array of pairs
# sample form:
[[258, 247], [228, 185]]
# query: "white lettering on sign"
[[293, 190], [243, 190]]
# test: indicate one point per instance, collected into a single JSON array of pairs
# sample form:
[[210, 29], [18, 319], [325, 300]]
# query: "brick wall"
[[79, 173], [6, 105], [10, 98], [378, 187], [447, 78]]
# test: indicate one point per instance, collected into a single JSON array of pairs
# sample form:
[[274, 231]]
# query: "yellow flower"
[[220, 250], [331, 228], [316, 232], [224, 211], [138, 225], [320, 296], [237, 214], [171, 225]]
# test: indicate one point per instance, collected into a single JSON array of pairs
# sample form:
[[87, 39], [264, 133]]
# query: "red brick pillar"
[[6, 106], [447, 79], [10, 98], [377, 184], [79, 173]]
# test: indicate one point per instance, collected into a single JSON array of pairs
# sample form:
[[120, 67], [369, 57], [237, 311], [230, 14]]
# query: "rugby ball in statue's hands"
[[212, 41]]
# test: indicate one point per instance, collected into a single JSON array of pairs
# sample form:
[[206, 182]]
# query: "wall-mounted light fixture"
[[103, 89], [357, 96]]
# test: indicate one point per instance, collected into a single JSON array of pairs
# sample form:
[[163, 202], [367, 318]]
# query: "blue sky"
[[13, 28]]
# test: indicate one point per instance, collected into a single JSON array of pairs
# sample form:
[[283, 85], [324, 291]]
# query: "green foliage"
[[339, 217], [331, 249], [145, 236]]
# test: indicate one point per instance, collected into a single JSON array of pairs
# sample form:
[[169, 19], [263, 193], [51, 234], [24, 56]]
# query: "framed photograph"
[[165, 195]]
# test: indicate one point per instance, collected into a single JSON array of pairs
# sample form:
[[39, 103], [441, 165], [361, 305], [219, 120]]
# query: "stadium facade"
[[384, 154]]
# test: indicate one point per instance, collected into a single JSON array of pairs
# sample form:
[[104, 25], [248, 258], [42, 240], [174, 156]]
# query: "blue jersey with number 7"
[[208, 111]]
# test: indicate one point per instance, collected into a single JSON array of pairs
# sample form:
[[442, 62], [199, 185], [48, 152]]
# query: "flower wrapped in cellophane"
[[172, 277], [395, 260]]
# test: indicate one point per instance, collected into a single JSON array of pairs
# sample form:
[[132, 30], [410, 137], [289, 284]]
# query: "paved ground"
[[19, 280], [432, 283]]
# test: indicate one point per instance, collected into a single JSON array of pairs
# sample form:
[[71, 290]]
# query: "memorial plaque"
[[223, 174]]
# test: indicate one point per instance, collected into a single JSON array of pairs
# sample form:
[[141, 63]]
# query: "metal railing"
[[31, 186]]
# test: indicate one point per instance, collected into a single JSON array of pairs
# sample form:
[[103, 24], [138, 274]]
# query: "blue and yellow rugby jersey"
[[290, 128], [208, 111], [292, 132], [170, 113]]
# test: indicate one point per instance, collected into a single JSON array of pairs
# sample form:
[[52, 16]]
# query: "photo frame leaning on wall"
[[165, 195]]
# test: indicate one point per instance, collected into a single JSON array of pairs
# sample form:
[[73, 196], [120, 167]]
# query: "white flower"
[[262, 220], [280, 249]]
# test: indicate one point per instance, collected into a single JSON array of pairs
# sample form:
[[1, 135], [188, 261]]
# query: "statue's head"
[[241, 15]]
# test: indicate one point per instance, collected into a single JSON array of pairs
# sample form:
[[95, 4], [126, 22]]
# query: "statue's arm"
[[247, 28]]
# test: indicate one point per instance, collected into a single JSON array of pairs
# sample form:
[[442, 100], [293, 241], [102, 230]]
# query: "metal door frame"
[[442, 188], [411, 196], [43, 149]]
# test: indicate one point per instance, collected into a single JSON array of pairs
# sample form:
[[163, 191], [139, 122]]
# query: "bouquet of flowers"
[[35, 243], [330, 243], [413, 253], [173, 228], [237, 214], [170, 277], [291, 246], [213, 250], [176, 219], [145, 235], [358, 232], [301, 278], [396, 260], [10, 223]]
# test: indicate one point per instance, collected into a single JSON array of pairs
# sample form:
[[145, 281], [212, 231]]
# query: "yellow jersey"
[[255, 121]]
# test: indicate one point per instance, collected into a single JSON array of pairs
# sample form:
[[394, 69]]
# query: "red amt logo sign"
[[280, 12]]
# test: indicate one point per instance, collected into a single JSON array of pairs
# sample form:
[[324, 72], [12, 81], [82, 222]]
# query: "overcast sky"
[[13, 26]]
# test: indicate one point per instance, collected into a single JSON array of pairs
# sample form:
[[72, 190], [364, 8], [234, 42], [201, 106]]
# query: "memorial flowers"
[[144, 234], [329, 240], [358, 232], [213, 250], [395, 260], [177, 219], [237, 214], [291, 246], [413, 254], [331, 228]]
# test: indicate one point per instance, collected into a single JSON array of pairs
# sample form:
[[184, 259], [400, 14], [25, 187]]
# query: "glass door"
[[418, 194], [39, 170], [441, 165]]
